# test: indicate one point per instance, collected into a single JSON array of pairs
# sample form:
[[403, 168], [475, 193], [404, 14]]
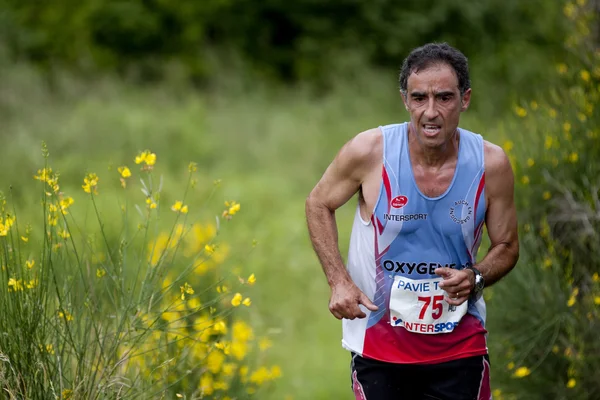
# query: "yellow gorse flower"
[[236, 300], [65, 315], [186, 288], [146, 157], [179, 207], [232, 208], [29, 263], [251, 279], [521, 372], [6, 224], [66, 203], [90, 182], [124, 171]]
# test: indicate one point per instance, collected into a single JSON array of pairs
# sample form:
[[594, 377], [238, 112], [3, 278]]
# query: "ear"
[[465, 100], [403, 94]]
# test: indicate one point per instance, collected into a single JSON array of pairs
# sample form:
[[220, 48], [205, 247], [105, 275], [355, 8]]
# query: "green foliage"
[[304, 40], [550, 328]]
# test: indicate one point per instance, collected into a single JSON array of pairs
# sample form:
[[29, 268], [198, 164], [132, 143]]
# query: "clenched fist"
[[345, 298]]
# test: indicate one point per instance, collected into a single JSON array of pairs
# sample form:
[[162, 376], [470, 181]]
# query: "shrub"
[[134, 304], [546, 314]]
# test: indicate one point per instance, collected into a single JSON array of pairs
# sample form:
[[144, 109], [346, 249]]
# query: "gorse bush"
[[144, 307], [547, 312]]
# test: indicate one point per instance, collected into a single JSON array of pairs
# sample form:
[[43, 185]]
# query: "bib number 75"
[[436, 305]]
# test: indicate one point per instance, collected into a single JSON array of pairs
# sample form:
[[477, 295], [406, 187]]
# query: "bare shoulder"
[[362, 151], [498, 171]]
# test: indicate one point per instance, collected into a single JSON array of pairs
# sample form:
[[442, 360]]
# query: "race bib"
[[419, 306]]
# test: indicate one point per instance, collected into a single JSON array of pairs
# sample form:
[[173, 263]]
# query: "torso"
[[431, 183]]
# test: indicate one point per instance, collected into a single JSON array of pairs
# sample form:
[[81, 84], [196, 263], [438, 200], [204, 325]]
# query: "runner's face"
[[434, 103]]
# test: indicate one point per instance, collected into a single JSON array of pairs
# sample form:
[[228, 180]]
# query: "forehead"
[[434, 77]]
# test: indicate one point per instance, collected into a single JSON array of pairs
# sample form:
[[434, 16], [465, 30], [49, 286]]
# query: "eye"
[[446, 99]]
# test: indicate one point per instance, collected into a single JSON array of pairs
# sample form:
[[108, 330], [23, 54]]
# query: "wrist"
[[477, 281]]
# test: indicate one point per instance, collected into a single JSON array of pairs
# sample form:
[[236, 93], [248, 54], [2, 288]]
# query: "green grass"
[[268, 146]]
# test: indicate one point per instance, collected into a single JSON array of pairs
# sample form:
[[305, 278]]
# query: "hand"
[[458, 284], [345, 299]]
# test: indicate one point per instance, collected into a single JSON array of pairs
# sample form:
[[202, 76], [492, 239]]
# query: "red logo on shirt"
[[399, 201]]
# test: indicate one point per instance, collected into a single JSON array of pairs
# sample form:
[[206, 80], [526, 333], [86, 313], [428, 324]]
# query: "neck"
[[428, 156]]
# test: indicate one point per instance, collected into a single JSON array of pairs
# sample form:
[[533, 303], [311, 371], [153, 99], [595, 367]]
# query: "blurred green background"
[[263, 94]]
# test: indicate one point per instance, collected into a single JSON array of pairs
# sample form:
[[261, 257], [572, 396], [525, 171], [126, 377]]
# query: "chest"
[[434, 183]]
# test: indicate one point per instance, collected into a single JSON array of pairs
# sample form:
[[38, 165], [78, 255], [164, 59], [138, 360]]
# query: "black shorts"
[[462, 379]]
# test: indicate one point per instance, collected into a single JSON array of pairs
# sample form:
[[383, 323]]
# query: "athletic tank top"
[[396, 252]]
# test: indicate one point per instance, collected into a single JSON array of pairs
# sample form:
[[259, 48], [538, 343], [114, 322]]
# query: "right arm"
[[342, 179]]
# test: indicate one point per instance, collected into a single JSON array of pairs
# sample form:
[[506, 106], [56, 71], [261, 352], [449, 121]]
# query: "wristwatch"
[[479, 283]]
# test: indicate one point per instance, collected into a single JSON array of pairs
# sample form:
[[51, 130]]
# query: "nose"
[[431, 111]]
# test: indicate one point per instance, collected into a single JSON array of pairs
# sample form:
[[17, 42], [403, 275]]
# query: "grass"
[[269, 147]]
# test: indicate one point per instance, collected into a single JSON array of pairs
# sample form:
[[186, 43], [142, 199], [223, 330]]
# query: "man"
[[410, 297]]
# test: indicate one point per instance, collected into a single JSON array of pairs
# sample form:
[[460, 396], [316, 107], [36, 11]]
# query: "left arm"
[[501, 217], [501, 223]]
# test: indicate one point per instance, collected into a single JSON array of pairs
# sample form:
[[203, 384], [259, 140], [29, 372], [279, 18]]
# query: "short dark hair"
[[436, 53]]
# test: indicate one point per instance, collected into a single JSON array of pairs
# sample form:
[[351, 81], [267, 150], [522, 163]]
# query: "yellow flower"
[[90, 182], [572, 300], [596, 277], [585, 75], [232, 209], [222, 289], [597, 300], [251, 279], [100, 272], [214, 361], [66, 203], [206, 384], [25, 239], [521, 112], [124, 171], [547, 263], [571, 383], [522, 372], [236, 300], [44, 174], [247, 302], [552, 113], [67, 394], [64, 234], [67, 316], [573, 157], [530, 162], [567, 126], [508, 145], [193, 167], [581, 117], [151, 159], [562, 68], [179, 207], [178, 395], [186, 288], [525, 180], [29, 263], [510, 365], [14, 285], [50, 349], [546, 195], [548, 142], [210, 248], [534, 105]]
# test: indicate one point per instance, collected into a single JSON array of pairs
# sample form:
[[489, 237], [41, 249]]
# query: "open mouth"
[[431, 129]]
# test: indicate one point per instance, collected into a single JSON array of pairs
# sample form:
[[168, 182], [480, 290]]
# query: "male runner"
[[410, 297]]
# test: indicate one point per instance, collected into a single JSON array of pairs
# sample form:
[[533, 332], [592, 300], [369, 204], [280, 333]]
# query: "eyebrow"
[[438, 94]]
